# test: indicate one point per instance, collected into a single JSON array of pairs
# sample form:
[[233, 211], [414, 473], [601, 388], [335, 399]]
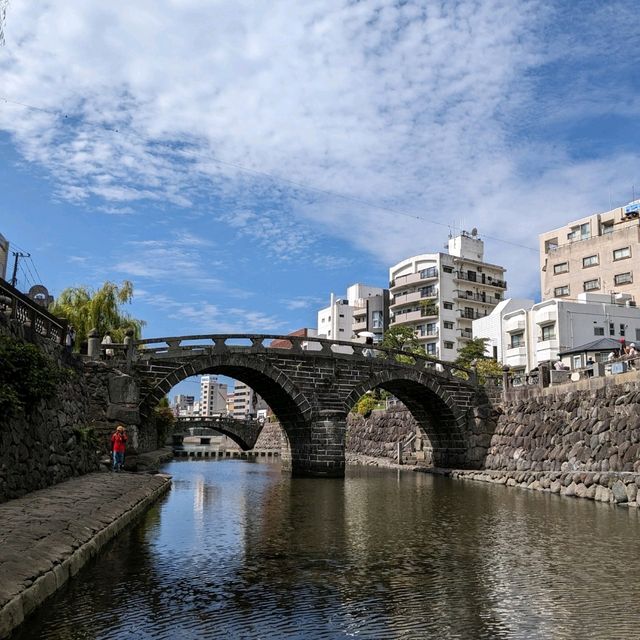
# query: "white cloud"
[[422, 107]]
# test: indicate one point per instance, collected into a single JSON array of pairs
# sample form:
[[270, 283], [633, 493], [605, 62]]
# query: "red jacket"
[[119, 442]]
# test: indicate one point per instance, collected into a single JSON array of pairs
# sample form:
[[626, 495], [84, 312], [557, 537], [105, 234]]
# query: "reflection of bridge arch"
[[311, 384]]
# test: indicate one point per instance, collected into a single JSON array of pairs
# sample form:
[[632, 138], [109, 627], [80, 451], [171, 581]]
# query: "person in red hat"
[[118, 447]]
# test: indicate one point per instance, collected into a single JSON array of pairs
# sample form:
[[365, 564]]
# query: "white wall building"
[[438, 295], [490, 326], [183, 405], [364, 308], [213, 396], [537, 334], [246, 402]]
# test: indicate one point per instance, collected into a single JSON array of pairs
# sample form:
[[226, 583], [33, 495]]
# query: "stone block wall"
[[49, 441]]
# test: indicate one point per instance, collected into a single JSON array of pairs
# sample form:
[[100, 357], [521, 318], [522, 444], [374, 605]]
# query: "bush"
[[366, 405], [27, 376]]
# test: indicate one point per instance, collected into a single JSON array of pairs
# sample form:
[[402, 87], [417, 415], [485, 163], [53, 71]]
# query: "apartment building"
[[536, 334], [364, 308], [183, 405], [213, 396], [439, 295], [246, 402], [596, 254]]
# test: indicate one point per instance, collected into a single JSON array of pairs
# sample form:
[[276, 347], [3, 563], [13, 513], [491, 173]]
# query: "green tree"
[[403, 339], [99, 309], [164, 419], [473, 355]]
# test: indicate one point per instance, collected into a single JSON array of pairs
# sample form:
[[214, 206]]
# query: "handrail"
[[26, 312], [172, 346]]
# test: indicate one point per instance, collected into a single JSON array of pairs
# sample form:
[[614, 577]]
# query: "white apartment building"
[[538, 333], [364, 308], [246, 402], [213, 396], [439, 295], [490, 326]]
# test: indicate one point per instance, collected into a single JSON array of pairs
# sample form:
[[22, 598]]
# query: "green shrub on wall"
[[26, 376]]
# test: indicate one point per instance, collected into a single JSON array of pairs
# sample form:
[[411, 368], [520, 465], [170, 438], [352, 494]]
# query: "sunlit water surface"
[[239, 550]]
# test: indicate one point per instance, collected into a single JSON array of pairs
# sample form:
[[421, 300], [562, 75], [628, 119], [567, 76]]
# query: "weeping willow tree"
[[99, 309]]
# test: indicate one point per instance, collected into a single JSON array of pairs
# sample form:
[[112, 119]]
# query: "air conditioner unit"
[[631, 303]]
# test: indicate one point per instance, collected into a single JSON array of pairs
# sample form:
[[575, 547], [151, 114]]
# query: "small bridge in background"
[[311, 384], [243, 432]]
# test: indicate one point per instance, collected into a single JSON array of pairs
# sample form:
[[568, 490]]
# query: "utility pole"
[[18, 255]]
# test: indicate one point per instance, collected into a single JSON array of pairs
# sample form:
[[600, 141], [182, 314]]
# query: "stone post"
[[93, 345], [505, 381], [128, 340], [544, 375]]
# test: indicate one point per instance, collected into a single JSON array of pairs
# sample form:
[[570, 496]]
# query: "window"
[[447, 269], [580, 232], [598, 331], [448, 345], [426, 292], [590, 261], [623, 278], [550, 245], [431, 272], [637, 334], [377, 320], [448, 324], [558, 292], [431, 329], [612, 329], [592, 285], [341, 330], [549, 332], [621, 254], [561, 267], [607, 227], [577, 362], [622, 327], [448, 305], [342, 315], [517, 340], [430, 348]]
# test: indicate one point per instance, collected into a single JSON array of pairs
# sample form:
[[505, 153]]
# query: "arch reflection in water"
[[238, 550]]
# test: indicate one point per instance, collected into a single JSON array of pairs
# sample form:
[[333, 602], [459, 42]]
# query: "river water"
[[239, 550]]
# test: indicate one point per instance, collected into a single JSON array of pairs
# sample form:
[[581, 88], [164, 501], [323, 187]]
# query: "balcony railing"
[[425, 274], [480, 278], [473, 315], [476, 297]]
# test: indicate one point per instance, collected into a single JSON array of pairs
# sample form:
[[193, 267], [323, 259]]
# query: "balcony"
[[414, 296], [472, 315], [479, 278], [359, 326], [466, 334], [406, 318], [412, 278], [516, 357], [546, 316], [427, 334], [515, 324], [475, 297]]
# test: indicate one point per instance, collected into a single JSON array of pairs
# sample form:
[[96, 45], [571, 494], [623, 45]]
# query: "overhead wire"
[[264, 174]]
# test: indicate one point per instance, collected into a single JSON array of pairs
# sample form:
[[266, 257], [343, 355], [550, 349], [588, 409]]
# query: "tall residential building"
[[4, 256], [246, 402], [537, 333], [183, 405], [438, 295], [364, 308], [213, 396], [599, 253]]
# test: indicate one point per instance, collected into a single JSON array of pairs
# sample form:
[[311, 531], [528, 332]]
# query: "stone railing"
[[17, 307], [177, 347]]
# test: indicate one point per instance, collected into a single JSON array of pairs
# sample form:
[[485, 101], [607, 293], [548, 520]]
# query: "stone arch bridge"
[[311, 384]]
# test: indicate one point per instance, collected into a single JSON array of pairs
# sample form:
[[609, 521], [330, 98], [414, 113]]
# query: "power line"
[[264, 174]]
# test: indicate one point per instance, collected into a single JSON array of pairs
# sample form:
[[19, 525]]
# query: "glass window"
[[431, 272], [377, 320], [598, 331], [430, 348], [612, 329], [577, 362], [550, 245], [623, 278], [549, 332], [590, 261], [592, 285], [622, 327], [448, 305], [607, 227], [448, 324], [448, 345], [621, 254], [558, 292], [431, 329], [447, 269], [517, 340], [585, 231], [637, 334], [561, 267]]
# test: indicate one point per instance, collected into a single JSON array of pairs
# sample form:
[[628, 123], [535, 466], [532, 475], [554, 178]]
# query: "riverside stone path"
[[48, 535]]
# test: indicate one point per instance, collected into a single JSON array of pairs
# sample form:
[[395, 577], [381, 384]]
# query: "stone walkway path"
[[48, 535]]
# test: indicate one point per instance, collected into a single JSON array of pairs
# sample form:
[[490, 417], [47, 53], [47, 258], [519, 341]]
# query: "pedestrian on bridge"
[[118, 447]]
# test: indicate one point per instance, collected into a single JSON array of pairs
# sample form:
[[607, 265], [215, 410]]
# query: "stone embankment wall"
[[48, 441]]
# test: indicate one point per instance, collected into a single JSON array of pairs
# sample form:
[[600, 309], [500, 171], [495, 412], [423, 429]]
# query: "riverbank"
[[615, 487], [48, 535]]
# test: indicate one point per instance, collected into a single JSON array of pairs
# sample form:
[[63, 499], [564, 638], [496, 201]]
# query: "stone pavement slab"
[[48, 535]]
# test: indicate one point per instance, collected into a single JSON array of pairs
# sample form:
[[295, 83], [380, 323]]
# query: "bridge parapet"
[[180, 347]]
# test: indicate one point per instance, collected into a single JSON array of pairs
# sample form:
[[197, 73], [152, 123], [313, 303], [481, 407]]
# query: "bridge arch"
[[292, 407], [441, 417]]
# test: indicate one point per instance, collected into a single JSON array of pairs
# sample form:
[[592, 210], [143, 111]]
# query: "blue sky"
[[224, 155]]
